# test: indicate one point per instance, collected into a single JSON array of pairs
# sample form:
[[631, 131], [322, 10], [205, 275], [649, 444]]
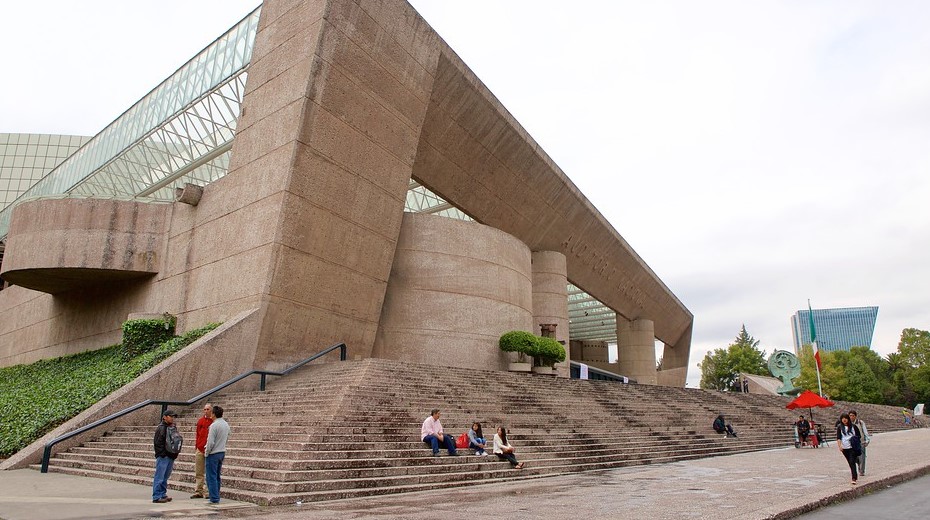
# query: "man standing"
[[432, 434], [203, 428], [215, 449], [167, 445], [859, 423]]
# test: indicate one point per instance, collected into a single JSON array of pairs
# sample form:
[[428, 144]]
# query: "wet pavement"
[[769, 484]]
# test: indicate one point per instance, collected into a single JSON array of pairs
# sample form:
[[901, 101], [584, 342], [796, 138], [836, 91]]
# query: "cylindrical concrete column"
[[455, 287], [550, 297], [636, 350]]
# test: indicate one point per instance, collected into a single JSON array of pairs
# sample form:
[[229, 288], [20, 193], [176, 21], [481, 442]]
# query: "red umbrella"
[[809, 400]]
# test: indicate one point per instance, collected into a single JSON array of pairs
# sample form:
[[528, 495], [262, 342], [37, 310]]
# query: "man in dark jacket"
[[164, 457]]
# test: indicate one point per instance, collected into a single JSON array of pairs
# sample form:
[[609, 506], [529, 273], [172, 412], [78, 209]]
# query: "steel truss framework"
[[183, 130]]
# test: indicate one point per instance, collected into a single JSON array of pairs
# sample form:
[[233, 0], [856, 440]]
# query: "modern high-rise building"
[[837, 329]]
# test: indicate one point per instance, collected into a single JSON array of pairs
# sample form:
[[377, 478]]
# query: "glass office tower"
[[837, 329]]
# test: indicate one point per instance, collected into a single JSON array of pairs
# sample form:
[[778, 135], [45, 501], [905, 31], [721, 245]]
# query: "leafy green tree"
[[720, 368], [862, 385], [715, 370], [914, 347]]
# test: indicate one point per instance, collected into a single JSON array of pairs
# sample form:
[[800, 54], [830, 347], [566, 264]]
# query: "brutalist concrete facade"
[[346, 101]]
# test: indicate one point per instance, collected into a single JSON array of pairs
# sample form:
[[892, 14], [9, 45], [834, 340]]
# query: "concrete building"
[[837, 329], [296, 180]]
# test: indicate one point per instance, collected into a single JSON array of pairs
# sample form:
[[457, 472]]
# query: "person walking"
[[859, 423], [203, 428], [849, 441], [431, 433], [167, 444], [215, 450]]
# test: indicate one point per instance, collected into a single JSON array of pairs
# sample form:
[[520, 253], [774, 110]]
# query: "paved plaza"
[[769, 484]]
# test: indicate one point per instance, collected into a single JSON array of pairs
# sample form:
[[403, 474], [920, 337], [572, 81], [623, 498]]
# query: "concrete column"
[[636, 349], [675, 361], [550, 298]]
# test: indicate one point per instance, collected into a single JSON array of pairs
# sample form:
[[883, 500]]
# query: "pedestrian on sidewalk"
[[432, 434], [503, 449], [215, 449], [849, 440], [167, 444], [203, 428], [859, 423]]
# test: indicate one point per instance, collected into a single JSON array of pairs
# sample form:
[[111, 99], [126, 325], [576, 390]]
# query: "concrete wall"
[[454, 289], [57, 245]]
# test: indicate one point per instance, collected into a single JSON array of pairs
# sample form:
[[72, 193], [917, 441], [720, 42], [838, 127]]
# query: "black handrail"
[[47, 454]]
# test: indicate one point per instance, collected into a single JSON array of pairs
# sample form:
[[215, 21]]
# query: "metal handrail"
[[47, 454]]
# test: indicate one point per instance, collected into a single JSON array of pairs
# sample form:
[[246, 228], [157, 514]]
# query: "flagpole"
[[816, 351], [819, 386]]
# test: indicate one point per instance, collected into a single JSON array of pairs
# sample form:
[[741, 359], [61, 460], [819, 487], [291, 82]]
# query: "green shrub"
[[518, 341], [36, 398], [144, 335], [549, 351]]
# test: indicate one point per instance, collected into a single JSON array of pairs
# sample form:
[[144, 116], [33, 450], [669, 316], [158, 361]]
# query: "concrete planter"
[[519, 367], [545, 371]]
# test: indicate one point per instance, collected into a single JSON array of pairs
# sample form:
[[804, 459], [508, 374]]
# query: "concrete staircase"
[[351, 429]]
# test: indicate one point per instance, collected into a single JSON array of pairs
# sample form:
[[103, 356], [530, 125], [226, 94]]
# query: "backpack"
[[462, 441], [173, 440]]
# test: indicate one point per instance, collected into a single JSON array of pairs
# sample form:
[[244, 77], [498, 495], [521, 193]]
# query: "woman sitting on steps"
[[476, 439], [503, 449]]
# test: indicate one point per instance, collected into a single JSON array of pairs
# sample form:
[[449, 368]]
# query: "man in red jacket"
[[203, 428]]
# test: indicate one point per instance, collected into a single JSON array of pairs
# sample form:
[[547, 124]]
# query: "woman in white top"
[[503, 449], [849, 441]]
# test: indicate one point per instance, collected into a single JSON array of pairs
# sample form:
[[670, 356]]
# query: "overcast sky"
[[754, 154]]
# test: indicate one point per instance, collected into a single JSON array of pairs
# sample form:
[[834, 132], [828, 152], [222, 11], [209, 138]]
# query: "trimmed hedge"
[[544, 351], [549, 351], [518, 341], [144, 335], [36, 398]]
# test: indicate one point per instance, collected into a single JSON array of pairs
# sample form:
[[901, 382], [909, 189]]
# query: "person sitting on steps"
[[722, 426], [476, 439], [503, 449], [432, 434]]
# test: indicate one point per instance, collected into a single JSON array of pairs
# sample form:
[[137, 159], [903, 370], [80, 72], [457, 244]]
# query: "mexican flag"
[[810, 314]]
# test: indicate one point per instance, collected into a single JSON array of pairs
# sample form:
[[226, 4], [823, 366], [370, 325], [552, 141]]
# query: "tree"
[[862, 386], [914, 347], [721, 368]]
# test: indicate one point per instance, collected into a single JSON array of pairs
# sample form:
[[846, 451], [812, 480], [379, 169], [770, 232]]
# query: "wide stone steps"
[[341, 430]]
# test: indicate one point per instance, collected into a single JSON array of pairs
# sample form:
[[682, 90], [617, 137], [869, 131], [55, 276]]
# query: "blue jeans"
[[213, 467], [434, 443], [478, 449], [163, 467]]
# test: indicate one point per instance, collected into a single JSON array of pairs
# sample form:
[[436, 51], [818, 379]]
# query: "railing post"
[[164, 410], [342, 352], [47, 454], [261, 385]]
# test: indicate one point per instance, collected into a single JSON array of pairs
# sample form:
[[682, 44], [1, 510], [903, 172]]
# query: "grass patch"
[[36, 398]]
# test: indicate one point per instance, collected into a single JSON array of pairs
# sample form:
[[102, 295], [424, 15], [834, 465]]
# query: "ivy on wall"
[[36, 398]]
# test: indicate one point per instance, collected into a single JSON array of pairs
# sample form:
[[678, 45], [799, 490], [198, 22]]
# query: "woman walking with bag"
[[849, 440]]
